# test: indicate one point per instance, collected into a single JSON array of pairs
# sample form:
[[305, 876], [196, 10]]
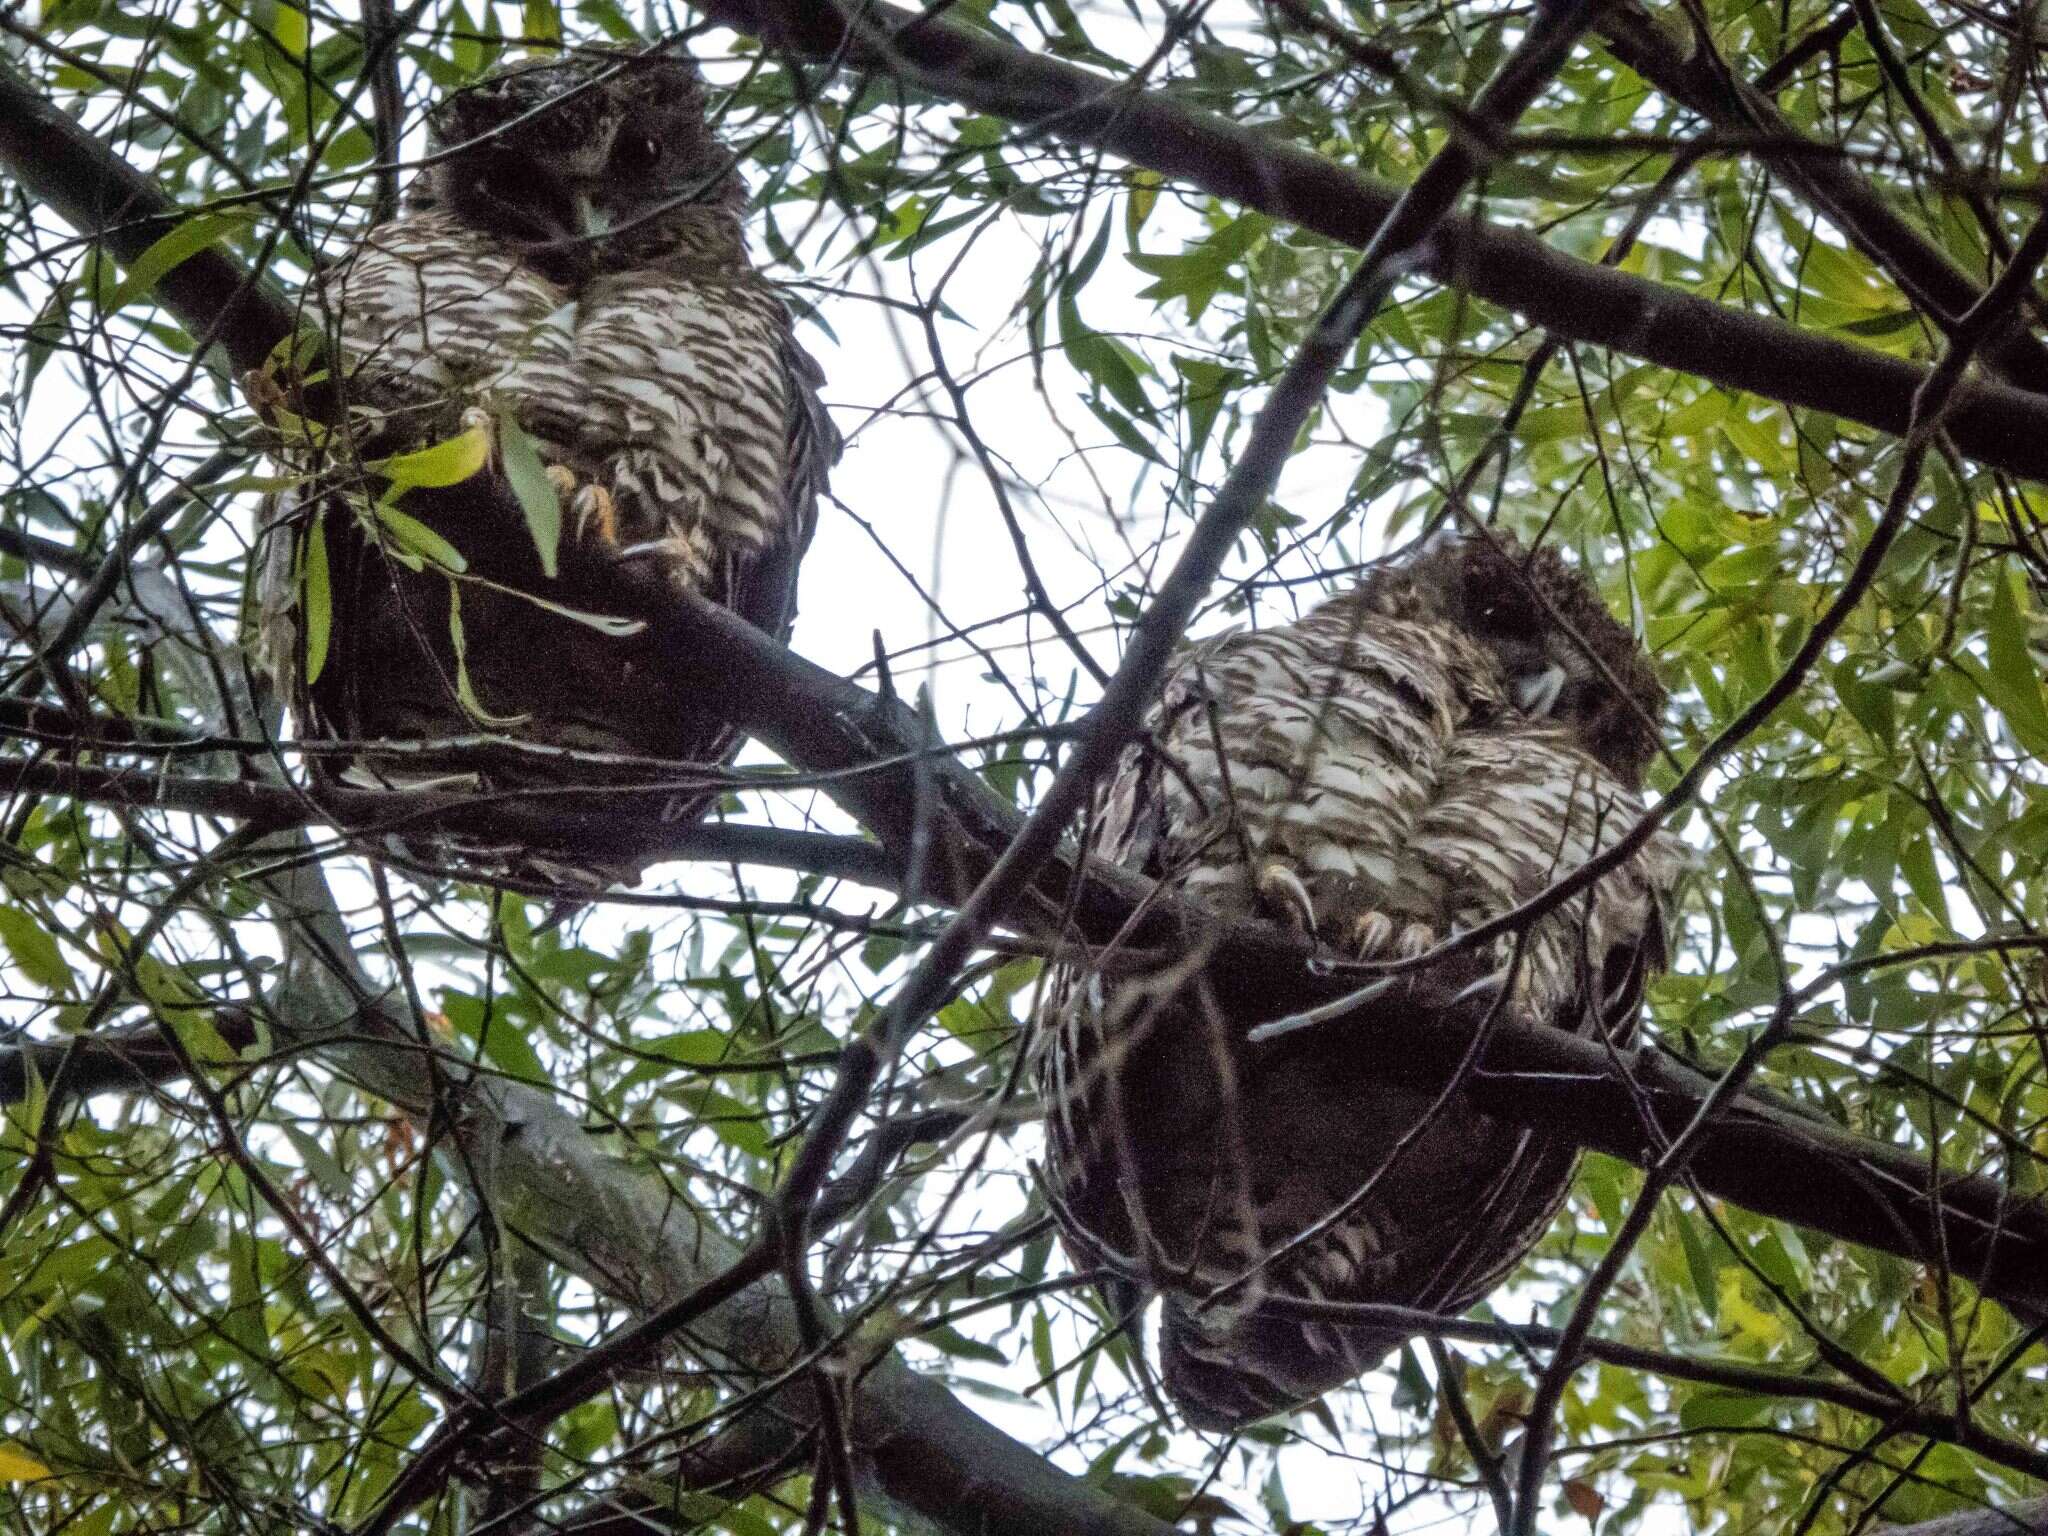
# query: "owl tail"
[[1224, 1378]]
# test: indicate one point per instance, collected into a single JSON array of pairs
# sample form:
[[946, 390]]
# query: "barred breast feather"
[[1377, 760], [670, 388]]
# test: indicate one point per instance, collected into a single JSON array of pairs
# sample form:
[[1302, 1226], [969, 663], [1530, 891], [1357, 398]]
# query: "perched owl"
[[1417, 756], [571, 261]]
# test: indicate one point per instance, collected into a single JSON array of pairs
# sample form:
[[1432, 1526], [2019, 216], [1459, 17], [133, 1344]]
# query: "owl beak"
[[592, 222], [1536, 693]]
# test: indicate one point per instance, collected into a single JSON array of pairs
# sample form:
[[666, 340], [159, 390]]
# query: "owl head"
[[1563, 655], [599, 162]]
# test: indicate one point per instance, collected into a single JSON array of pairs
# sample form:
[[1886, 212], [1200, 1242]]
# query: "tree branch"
[[1696, 77], [2027, 1519], [861, 749], [1998, 426]]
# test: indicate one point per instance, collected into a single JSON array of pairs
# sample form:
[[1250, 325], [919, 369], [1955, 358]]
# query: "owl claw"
[[595, 511], [1416, 940], [597, 516], [1371, 932], [1374, 934], [1282, 894]]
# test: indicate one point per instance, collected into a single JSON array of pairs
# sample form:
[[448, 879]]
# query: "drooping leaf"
[[198, 233], [416, 537], [319, 598], [449, 462], [535, 492]]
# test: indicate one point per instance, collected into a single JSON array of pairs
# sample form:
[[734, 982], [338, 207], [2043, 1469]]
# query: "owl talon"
[[563, 479], [1372, 931], [1415, 940], [1283, 895], [597, 515]]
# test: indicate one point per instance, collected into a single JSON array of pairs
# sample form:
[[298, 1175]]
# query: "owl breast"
[[669, 390]]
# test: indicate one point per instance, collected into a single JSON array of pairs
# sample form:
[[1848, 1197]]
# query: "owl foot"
[[687, 556], [597, 516], [596, 512], [1376, 936], [265, 395], [1283, 895]]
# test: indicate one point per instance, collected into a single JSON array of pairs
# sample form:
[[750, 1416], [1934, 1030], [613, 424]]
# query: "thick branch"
[[120, 1061], [1998, 426], [1695, 77], [77, 176], [85, 183], [607, 823], [2028, 1519]]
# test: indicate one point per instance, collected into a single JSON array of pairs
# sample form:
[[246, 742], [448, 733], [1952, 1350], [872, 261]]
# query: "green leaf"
[[1041, 1345], [291, 30], [2014, 683], [1699, 1263], [180, 245], [531, 485], [319, 598], [34, 950], [414, 535], [465, 692], [542, 22], [1719, 1408]]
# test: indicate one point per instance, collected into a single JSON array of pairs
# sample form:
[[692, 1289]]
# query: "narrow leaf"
[[319, 599], [530, 483], [179, 246], [416, 536], [464, 691], [438, 464], [2014, 684]]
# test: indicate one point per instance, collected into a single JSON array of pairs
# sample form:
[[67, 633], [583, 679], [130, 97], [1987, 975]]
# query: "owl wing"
[[1522, 805], [763, 590]]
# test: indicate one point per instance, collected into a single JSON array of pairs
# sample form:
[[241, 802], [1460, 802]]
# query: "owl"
[[1420, 754], [560, 380]]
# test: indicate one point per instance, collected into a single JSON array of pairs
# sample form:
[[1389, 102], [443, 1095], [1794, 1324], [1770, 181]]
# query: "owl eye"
[[641, 154], [1495, 614]]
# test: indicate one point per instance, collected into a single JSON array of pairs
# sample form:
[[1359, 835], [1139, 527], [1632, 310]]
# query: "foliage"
[[1069, 349]]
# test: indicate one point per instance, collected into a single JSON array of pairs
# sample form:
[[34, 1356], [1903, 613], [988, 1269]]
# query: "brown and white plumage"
[[573, 254], [1415, 757]]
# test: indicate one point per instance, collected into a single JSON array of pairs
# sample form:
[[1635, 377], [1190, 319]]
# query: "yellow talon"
[[594, 507]]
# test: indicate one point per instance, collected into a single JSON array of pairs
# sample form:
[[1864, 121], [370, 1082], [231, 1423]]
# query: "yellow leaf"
[[292, 30], [1748, 1318], [446, 463], [17, 1466]]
